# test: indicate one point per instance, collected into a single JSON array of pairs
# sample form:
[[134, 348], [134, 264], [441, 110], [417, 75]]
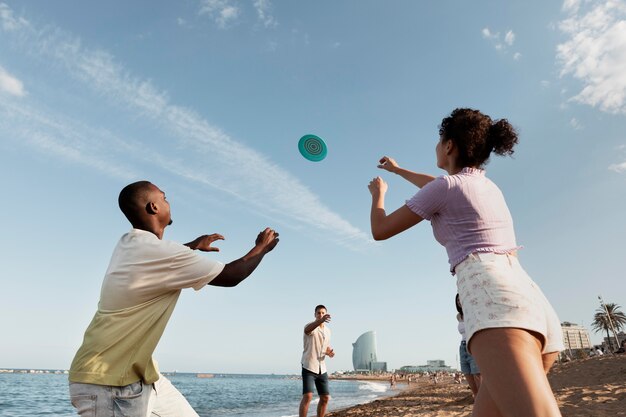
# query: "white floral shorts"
[[495, 291]]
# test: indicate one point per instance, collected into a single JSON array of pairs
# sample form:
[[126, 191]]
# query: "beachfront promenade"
[[33, 371]]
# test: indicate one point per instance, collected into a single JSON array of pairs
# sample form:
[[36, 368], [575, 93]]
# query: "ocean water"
[[26, 395]]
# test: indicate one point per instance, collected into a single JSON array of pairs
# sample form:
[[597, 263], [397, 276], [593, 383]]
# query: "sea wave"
[[373, 386]]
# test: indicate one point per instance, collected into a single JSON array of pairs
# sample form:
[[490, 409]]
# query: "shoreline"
[[588, 387], [423, 397]]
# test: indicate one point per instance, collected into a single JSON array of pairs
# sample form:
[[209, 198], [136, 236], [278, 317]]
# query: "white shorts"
[[167, 401], [496, 292]]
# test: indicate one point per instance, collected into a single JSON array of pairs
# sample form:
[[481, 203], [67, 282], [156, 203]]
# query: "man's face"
[[158, 197], [319, 313]]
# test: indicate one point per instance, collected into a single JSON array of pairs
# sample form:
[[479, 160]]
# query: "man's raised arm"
[[315, 324], [240, 269]]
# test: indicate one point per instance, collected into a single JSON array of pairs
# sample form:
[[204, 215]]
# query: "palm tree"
[[603, 319]]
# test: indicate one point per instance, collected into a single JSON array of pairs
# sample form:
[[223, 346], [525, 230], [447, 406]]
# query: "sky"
[[208, 99]]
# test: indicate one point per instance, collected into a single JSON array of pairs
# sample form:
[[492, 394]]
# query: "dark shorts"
[[319, 380]]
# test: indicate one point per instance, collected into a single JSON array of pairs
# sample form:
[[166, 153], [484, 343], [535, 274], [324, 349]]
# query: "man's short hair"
[[320, 306], [132, 199]]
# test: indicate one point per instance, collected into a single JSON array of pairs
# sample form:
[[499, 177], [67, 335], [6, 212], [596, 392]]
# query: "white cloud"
[[575, 123], [9, 22], [227, 12], [195, 146], [10, 84], [571, 6], [619, 168], [263, 12], [545, 83], [223, 12], [501, 45], [54, 134], [595, 52], [509, 38]]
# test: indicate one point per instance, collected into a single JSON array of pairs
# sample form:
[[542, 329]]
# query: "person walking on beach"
[[512, 331], [316, 347], [468, 365], [113, 373]]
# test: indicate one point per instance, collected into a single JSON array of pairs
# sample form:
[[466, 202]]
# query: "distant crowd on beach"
[[596, 350], [408, 378]]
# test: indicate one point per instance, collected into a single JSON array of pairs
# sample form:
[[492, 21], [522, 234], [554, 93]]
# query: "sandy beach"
[[593, 387]]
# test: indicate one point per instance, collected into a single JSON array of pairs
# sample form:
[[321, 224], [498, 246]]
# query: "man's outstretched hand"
[[267, 239], [203, 243]]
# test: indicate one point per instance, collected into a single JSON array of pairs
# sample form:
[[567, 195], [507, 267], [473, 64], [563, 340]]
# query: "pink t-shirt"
[[468, 214]]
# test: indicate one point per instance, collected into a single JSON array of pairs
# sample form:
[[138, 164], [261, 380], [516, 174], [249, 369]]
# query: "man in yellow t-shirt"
[[113, 372]]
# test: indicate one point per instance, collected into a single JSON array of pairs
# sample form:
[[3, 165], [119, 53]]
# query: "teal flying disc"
[[312, 148]]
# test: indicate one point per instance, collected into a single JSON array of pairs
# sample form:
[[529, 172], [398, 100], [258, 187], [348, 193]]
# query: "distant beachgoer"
[[113, 373], [434, 377], [392, 381], [316, 342], [468, 365], [622, 348], [457, 377], [512, 331]]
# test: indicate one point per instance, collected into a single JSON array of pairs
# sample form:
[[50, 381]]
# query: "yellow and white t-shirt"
[[139, 293]]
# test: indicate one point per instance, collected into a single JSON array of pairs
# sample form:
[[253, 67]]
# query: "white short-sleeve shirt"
[[314, 353]]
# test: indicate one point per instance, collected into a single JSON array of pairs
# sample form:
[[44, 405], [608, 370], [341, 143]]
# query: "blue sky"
[[208, 98]]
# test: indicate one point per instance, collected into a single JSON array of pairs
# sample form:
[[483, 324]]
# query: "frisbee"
[[312, 148]]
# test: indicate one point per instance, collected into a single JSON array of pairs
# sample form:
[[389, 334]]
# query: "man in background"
[[316, 348]]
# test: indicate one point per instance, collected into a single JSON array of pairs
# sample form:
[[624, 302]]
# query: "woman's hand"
[[377, 186], [388, 164]]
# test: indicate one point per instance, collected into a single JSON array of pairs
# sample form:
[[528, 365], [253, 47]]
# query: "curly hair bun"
[[476, 136], [503, 137]]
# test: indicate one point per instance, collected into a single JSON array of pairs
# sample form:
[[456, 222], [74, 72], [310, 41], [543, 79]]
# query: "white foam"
[[373, 386]]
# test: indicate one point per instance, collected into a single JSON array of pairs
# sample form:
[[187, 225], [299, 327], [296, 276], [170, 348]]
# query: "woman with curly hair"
[[512, 331]]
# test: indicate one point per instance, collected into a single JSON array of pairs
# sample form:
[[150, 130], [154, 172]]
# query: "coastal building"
[[610, 341], [431, 366], [575, 337], [364, 358]]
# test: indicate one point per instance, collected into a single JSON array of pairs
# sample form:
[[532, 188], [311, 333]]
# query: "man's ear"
[[151, 208]]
